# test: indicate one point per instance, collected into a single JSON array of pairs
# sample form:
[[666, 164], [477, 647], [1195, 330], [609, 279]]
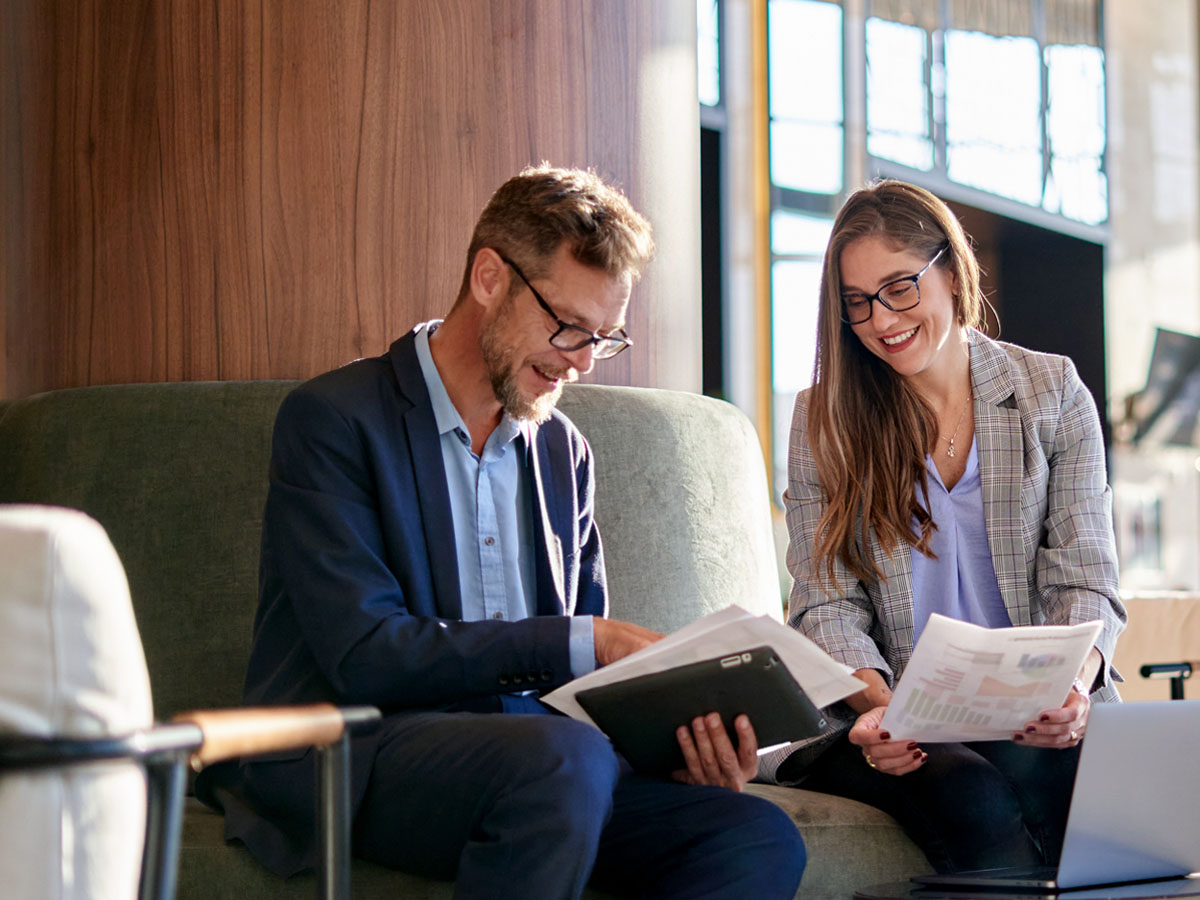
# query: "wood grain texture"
[[226, 189], [252, 731]]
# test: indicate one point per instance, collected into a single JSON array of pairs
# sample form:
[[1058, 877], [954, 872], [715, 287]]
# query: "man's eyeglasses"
[[898, 296], [572, 337]]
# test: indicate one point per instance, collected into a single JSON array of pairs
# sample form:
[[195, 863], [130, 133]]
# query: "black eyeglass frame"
[[878, 295], [605, 346]]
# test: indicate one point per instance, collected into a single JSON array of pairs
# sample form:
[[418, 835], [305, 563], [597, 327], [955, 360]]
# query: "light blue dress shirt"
[[961, 582], [491, 507]]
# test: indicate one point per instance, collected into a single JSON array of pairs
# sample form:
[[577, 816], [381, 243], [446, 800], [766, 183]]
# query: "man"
[[428, 547]]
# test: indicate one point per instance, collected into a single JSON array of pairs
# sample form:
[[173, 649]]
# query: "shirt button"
[[489, 541], [497, 615]]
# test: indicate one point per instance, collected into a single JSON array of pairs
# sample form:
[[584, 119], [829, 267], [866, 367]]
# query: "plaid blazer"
[[1048, 512]]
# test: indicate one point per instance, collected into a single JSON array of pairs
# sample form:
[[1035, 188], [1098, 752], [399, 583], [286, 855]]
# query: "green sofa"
[[177, 475]]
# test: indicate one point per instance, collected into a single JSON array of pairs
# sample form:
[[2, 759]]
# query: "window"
[[805, 88], [1076, 186], [900, 122], [708, 52], [807, 139], [1000, 96], [993, 114], [798, 245]]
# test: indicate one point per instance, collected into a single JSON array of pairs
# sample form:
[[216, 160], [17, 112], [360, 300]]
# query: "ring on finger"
[[1074, 735], [870, 762]]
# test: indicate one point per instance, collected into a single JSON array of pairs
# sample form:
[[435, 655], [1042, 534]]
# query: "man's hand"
[[710, 756], [616, 640]]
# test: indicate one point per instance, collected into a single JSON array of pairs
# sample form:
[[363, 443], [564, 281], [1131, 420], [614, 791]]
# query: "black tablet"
[[640, 714]]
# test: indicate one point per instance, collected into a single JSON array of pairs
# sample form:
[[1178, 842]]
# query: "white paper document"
[[969, 683], [727, 631]]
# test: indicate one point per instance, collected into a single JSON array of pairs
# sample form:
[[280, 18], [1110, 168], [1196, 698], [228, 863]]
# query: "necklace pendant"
[[950, 449]]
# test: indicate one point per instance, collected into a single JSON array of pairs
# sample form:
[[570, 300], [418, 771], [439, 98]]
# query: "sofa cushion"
[[850, 845], [211, 870], [71, 665]]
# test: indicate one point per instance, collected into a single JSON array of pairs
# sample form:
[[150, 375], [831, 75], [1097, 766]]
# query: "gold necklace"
[[957, 425]]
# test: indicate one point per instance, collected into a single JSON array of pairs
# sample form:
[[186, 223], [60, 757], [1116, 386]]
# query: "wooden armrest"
[[229, 733]]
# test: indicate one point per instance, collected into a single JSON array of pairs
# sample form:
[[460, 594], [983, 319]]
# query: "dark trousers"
[[980, 805], [531, 806]]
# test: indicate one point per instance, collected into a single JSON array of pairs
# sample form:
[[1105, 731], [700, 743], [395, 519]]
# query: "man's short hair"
[[532, 214]]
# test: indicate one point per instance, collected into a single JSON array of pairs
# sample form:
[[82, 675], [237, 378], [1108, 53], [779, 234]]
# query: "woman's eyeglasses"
[[898, 296]]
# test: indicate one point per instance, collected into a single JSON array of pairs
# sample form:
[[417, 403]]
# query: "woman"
[[935, 470]]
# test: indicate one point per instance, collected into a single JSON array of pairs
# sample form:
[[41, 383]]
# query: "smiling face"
[[921, 342], [526, 372]]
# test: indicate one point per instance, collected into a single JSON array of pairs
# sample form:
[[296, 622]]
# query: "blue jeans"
[[532, 806], [980, 805]]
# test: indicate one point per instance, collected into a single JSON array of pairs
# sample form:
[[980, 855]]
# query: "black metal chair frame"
[[1178, 672]]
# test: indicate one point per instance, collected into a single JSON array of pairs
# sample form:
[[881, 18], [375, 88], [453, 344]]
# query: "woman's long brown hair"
[[868, 429]]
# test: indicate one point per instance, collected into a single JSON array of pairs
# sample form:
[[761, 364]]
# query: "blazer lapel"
[[551, 592], [1001, 464], [429, 473]]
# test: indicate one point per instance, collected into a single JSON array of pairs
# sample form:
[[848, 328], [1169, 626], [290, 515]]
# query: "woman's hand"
[[1060, 728], [880, 751], [1065, 726], [710, 755]]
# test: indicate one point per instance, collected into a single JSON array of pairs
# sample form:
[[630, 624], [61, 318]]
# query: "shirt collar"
[[445, 413]]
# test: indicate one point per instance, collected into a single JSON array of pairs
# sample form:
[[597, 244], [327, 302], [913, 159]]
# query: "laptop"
[[1169, 889], [1135, 807]]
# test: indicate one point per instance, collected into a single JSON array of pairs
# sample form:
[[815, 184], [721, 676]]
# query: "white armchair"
[[90, 788]]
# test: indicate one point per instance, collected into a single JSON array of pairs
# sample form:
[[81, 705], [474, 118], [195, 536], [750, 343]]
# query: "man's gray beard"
[[502, 370], [537, 411]]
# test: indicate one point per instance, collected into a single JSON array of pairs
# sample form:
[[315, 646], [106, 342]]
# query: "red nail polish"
[[884, 736], [918, 755], [1030, 729], [1018, 737], [912, 746], [1045, 718]]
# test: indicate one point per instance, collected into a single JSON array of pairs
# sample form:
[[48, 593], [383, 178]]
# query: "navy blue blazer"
[[359, 592]]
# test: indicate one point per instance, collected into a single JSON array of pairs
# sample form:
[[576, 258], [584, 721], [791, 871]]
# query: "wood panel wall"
[[227, 189]]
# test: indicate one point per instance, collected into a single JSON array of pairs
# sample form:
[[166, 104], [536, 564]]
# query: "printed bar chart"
[[967, 683]]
